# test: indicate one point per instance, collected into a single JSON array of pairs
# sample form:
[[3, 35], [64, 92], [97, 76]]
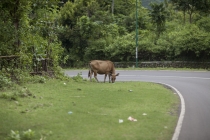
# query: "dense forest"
[[47, 33], [146, 3]]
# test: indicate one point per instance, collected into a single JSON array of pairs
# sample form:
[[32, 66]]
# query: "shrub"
[[10, 96], [39, 79], [78, 78], [26, 135], [14, 135], [19, 92], [5, 81]]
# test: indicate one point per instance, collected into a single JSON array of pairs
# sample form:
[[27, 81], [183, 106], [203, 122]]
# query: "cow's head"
[[113, 77]]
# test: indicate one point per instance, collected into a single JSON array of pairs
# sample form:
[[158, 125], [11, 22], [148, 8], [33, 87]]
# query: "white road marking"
[[182, 113], [168, 76], [203, 78]]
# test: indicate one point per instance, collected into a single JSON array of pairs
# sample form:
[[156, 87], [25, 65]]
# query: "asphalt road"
[[194, 91]]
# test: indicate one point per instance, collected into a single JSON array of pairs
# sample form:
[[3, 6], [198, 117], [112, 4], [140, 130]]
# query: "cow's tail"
[[89, 70]]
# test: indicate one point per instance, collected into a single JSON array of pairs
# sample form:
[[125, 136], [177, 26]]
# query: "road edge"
[[182, 112]]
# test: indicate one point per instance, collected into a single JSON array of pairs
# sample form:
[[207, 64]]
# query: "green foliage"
[[158, 16], [78, 77], [39, 79], [59, 74], [19, 76], [146, 3], [21, 92], [30, 32], [10, 78], [9, 96], [187, 43], [28, 135], [204, 23], [122, 48], [5, 81], [15, 135], [74, 32]]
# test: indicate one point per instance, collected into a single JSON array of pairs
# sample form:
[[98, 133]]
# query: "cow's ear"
[[117, 74]]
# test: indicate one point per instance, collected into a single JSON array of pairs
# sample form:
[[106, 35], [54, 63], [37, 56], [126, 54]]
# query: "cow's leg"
[[91, 73], [105, 78], [110, 77], [95, 75]]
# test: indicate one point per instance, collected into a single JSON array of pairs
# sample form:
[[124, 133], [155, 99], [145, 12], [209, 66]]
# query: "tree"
[[181, 5], [31, 31], [158, 16], [191, 6], [122, 48], [14, 14], [77, 18], [203, 6]]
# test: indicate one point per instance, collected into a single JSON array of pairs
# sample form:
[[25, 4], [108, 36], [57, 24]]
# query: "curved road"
[[194, 88]]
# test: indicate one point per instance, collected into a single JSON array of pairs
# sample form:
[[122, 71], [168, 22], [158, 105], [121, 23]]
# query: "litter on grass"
[[17, 102], [132, 119], [120, 121], [130, 90], [77, 96], [144, 114], [70, 112]]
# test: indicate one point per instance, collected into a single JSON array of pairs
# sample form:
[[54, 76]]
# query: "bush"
[[5, 81], [14, 135], [26, 135], [59, 74], [19, 92], [38, 79], [78, 78]]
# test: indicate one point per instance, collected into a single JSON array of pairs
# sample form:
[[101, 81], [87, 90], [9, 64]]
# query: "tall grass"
[[69, 110]]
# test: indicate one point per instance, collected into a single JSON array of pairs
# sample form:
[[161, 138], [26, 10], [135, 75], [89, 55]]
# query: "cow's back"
[[101, 66]]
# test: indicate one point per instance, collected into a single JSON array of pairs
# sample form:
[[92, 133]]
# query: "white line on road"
[[155, 76], [182, 113], [168, 76]]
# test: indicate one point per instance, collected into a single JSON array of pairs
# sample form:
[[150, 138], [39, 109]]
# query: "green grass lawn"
[[61, 110]]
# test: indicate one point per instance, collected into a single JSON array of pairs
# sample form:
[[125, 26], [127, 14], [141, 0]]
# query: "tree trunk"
[[16, 21], [112, 6]]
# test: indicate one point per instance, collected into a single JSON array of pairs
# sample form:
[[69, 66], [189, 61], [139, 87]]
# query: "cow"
[[102, 67]]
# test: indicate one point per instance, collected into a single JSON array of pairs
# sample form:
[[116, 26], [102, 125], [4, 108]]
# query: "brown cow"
[[102, 67]]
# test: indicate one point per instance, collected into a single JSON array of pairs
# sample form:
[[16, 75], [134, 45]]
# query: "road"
[[194, 91]]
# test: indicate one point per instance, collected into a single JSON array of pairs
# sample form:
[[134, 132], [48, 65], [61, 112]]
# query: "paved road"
[[195, 90]]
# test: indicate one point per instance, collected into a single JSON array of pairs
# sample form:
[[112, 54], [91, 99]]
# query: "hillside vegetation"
[[39, 36], [146, 3]]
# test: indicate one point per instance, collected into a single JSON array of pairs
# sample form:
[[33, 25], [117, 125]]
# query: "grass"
[[69, 110]]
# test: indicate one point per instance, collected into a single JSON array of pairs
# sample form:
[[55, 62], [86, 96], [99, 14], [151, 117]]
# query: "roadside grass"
[[69, 110]]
